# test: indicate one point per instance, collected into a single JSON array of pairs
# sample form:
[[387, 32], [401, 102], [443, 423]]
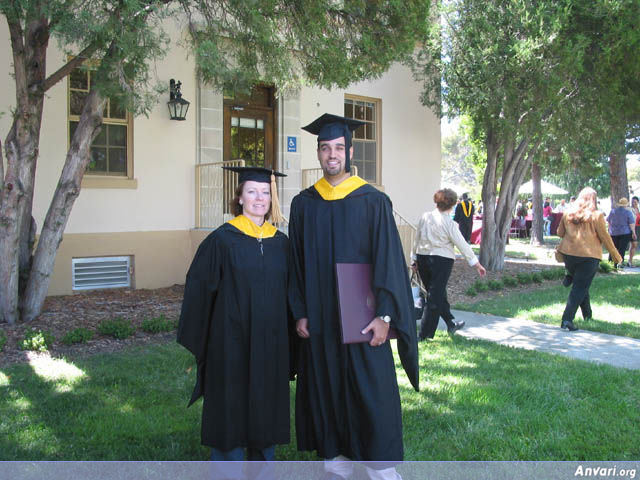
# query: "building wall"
[[152, 216]]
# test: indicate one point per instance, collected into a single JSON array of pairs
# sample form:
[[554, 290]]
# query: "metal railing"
[[214, 190]]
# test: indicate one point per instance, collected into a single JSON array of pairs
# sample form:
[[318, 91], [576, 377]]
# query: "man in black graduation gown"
[[463, 216], [347, 398]]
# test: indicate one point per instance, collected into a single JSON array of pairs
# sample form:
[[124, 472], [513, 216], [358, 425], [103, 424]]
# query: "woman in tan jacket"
[[583, 231]]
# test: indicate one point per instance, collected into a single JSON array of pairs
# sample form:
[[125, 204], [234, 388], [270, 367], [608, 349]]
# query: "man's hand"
[[380, 330], [301, 327]]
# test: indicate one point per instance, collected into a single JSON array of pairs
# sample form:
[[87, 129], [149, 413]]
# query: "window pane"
[[248, 122], [116, 112], [360, 166], [359, 111], [348, 109], [118, 160], [72, 129], [98, 159], [117, 135], [260, 124], [369, 172], [370, 151], [371, 131], [234, 121], [78, 79], [76, 102], [370, 113], [235, 151], [357, 151]]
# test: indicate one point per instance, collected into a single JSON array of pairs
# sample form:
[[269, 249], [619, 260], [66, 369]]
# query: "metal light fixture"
[[178, 106]]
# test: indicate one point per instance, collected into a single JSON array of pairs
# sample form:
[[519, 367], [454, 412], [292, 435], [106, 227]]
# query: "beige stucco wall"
[[410, 137], [164, 154]]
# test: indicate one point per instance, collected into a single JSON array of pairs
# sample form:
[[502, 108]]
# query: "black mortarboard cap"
[[328, 127], [262, 175], [255, 174]]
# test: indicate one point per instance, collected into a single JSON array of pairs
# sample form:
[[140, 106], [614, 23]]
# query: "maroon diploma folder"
[[356, 302]]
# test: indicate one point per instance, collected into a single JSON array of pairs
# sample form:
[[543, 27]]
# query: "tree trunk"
[[64, 197], [497, 216], [618, 174], [29, 46], [537, 225]]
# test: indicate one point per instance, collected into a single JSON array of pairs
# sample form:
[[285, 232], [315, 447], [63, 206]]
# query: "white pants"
[[342, 466]]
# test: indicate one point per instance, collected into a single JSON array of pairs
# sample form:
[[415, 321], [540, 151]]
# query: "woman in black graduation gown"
[[234, 320]]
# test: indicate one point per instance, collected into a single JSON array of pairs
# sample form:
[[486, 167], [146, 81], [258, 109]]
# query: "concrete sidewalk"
[[621, 352]]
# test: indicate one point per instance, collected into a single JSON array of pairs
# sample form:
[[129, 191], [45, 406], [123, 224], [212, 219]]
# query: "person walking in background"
[[622, 227], [433, 256], [635, 209], [561, 207], [463, 216], [234, 320], [583, 231]]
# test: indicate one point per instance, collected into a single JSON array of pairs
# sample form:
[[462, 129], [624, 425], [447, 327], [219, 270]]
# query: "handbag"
[[558, 254], [418, 297]]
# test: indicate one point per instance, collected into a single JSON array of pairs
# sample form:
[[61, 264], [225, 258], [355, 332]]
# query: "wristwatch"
[[386, 319]]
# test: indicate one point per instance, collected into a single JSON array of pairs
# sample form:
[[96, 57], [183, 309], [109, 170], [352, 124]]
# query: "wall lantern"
[[178, 106]]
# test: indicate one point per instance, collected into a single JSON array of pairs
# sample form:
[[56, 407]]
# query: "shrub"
[[560, 272], [524, 278], [36, 340], [480, 286], [510, 281], [548, 274], [77, 335], [158, 324], [117, 328], [606, 267], [471, 291], [495, 284], [537, 277], [3, 340]]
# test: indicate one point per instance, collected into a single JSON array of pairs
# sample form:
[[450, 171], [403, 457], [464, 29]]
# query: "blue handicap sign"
[[291, 144]]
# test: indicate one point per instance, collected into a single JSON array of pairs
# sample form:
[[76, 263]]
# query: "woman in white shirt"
[[433, 256]]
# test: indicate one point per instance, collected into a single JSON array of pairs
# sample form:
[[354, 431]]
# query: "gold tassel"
[[276, 214]]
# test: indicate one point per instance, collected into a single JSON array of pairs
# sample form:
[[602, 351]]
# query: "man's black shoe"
[[568, 324], [456, 326], [567, 280]]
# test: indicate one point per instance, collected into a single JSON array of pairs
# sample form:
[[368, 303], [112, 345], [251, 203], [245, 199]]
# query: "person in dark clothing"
[[347, 398], [463, 216], [234, 320], [622, 227]]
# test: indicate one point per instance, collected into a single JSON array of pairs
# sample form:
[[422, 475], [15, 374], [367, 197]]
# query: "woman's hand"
[[414, 266], [480, 269]]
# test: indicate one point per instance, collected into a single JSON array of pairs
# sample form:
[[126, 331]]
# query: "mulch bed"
[[62, 314]]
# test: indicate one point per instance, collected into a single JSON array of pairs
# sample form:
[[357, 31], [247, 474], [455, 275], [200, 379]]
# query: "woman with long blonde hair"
[[583, 231]]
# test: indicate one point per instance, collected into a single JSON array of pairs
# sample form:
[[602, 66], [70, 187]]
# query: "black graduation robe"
[[347, 398], [465, 224], [234, 320]]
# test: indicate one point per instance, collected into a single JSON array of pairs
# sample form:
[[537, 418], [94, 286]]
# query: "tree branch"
[[67, 68]]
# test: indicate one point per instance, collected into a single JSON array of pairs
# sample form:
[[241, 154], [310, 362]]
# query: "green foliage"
[[480, 286], [159, 324], [77, 335], [524, 278], [606, 266], [536, 277], [117, 328], [3, 340], [36, 340], [495, 284], [471, 291], [510, 281]]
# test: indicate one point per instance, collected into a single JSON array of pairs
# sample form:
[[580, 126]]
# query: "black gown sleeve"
[[200, 291], [296, 287], [392, 288]]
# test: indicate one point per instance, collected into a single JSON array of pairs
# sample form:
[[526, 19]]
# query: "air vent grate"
[[101, 272]]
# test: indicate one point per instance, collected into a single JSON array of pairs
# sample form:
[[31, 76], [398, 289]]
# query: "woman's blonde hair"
[[584, 206]]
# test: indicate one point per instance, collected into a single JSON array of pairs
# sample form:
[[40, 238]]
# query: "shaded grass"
[[615, 301], [479, 401]]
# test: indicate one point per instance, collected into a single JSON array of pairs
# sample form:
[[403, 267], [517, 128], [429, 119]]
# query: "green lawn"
[[479, 401], [615, 301]]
